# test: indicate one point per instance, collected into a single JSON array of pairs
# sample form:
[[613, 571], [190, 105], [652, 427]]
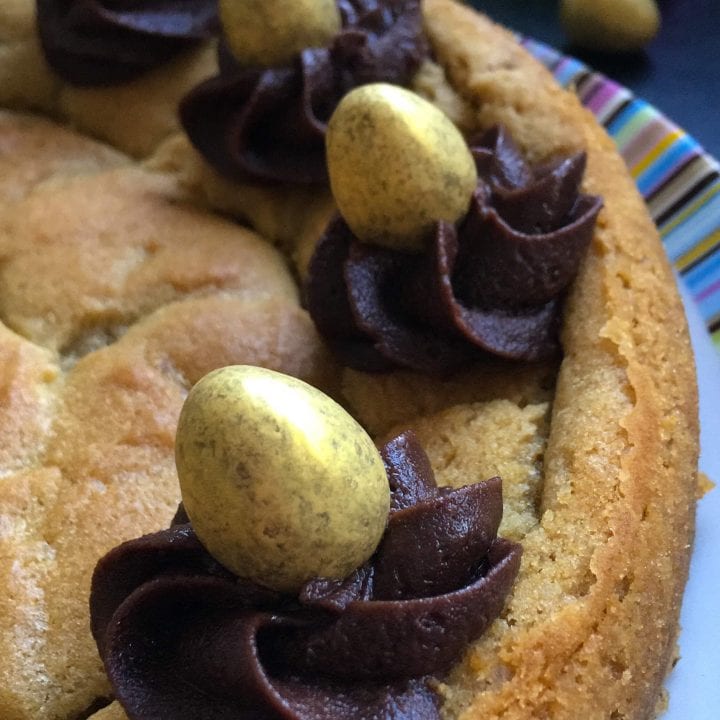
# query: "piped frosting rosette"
[[181, 636], [490, 284], [107, 42], [269, 123]]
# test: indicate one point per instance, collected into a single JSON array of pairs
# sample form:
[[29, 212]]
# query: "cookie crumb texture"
[[118, 290], [116, 297]]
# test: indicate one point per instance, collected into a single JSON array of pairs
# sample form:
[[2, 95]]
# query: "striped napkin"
[[678, 179]]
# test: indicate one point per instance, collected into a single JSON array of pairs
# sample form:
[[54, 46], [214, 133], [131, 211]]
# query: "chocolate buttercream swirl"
[[269, 124], [490, 285], [182, 637], [107, 42]]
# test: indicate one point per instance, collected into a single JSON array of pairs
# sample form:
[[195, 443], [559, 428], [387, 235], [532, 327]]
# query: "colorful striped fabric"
[[678, 179]]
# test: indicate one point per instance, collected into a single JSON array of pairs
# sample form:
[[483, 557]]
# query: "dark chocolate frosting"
[[182, 637], [106, 42], [269, 124], [490, 285]]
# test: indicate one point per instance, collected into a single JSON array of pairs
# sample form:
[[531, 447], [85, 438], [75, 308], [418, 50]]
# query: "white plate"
[[694, 684]]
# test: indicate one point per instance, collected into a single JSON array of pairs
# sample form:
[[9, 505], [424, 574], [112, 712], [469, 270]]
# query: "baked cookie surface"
[[120, 289]]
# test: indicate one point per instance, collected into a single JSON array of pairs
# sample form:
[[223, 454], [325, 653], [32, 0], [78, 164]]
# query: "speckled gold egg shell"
[[280, 483]]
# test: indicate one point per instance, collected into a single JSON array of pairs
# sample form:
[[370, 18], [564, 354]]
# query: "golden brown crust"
[[33, 151], [130, 249], [143, 294], [115, 298], [590, 629]]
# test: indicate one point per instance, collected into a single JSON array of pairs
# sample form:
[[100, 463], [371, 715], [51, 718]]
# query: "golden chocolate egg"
[[280, 483], [273, 32], [614, 25], [397, 164]]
